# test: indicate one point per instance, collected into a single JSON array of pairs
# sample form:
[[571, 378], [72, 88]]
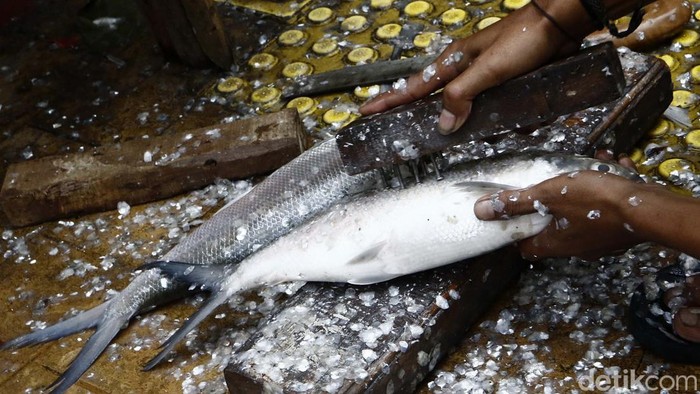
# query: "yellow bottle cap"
[[670, 61], [292, 37], [514, 4], [320, 15], [423, 40], [668, 166], [695, 74], [303, 105], [453, 16], [697, 15], [362, 55], [325, 46], [381, 4], [354, 23], [230, 85], [418, 8], [637, 155], [687, 38], [262, 61], [486, 22], [266, 95], [683, 98], [693, 139], [365, 92], [661, 128], [388, 31], [333, 116], [297, 69]]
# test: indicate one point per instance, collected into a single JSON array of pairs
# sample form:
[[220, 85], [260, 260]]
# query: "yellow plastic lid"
[[388, 31], [453, 16], [262, 61], [365, 92], [266, 95], [668, 166], [296, 69], [423, 40], [683, 98], [325, 46], [333, 116], [670, 61], [362, 55], [486, 22], [292, 37], [661, 128], [354, 23], [693, 139], [320, 15], [695, 74], [230, 85], [418, 8], [687, 38], [637, 155], [381, 4], [303, 105], [514, 4]]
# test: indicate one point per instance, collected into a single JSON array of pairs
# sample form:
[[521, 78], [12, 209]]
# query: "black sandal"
[[650, 318]]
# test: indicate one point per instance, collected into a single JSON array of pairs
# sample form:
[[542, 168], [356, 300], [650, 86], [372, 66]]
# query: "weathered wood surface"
[[139, 171], [386, 337], [411, 130]]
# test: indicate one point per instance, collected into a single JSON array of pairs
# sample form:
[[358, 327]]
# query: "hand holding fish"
[[524, 40], [598, 214]]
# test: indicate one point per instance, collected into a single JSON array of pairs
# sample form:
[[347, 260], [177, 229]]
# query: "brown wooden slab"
[[324, 327], [411, 130], [145, 170]]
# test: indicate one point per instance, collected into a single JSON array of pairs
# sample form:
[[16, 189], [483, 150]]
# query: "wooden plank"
[[209, 31], [411, 130], [305, 346], [379, 338], [145, 170]]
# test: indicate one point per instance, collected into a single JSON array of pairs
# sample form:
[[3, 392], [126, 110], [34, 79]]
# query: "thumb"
[[506, 203]]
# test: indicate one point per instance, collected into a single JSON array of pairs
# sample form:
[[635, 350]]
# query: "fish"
[[382, 234], [302, 188]]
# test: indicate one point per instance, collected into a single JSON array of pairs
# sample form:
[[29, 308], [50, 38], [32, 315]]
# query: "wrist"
[[570, 15]]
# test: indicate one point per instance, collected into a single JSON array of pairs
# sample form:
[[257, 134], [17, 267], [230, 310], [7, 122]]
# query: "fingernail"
[[483, 208], [690, 316], [447, 122]]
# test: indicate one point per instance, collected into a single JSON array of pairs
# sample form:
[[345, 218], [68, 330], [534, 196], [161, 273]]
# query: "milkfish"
[[382, 234], [291, 195]]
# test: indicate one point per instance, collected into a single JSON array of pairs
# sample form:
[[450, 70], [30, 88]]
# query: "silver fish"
[[385, 233], [299, 190]]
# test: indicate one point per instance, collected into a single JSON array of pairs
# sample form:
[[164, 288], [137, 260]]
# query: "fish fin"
[[368, 280], [98, 342], [471, 185], [206, 276], [218, 298], [367, 254], [75, 324]]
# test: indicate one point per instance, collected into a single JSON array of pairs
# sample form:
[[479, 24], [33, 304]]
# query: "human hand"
[[519, 43], [588, 210]]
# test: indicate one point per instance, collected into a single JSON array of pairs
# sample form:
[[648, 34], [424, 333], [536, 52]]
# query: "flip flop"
[[650, 318]]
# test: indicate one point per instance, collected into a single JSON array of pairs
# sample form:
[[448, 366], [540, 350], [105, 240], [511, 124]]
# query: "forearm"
[[664, 217]]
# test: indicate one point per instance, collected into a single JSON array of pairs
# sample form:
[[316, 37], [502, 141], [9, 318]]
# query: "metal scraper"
[[591, 77]]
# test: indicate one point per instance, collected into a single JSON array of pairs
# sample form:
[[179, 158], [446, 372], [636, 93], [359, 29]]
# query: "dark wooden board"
[[285, 354], [408, 131], [56, 187]]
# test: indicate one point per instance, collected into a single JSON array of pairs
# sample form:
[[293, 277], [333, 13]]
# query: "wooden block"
[[380, 338], [411, 130], [145, 170], [209, 31], [338, 317]]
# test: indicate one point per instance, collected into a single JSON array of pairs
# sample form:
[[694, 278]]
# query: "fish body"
[[386, 233]]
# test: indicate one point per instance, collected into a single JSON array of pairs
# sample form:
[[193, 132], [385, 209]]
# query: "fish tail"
[[73, 325], [214, 301], [208, 278]]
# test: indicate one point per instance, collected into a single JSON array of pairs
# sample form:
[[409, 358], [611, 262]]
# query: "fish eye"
[[602, 167]]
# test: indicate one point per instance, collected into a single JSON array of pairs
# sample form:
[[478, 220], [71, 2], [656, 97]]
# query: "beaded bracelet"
[[596, 10]]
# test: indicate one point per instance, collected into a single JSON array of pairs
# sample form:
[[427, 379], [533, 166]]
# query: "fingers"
[[504, 204]]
